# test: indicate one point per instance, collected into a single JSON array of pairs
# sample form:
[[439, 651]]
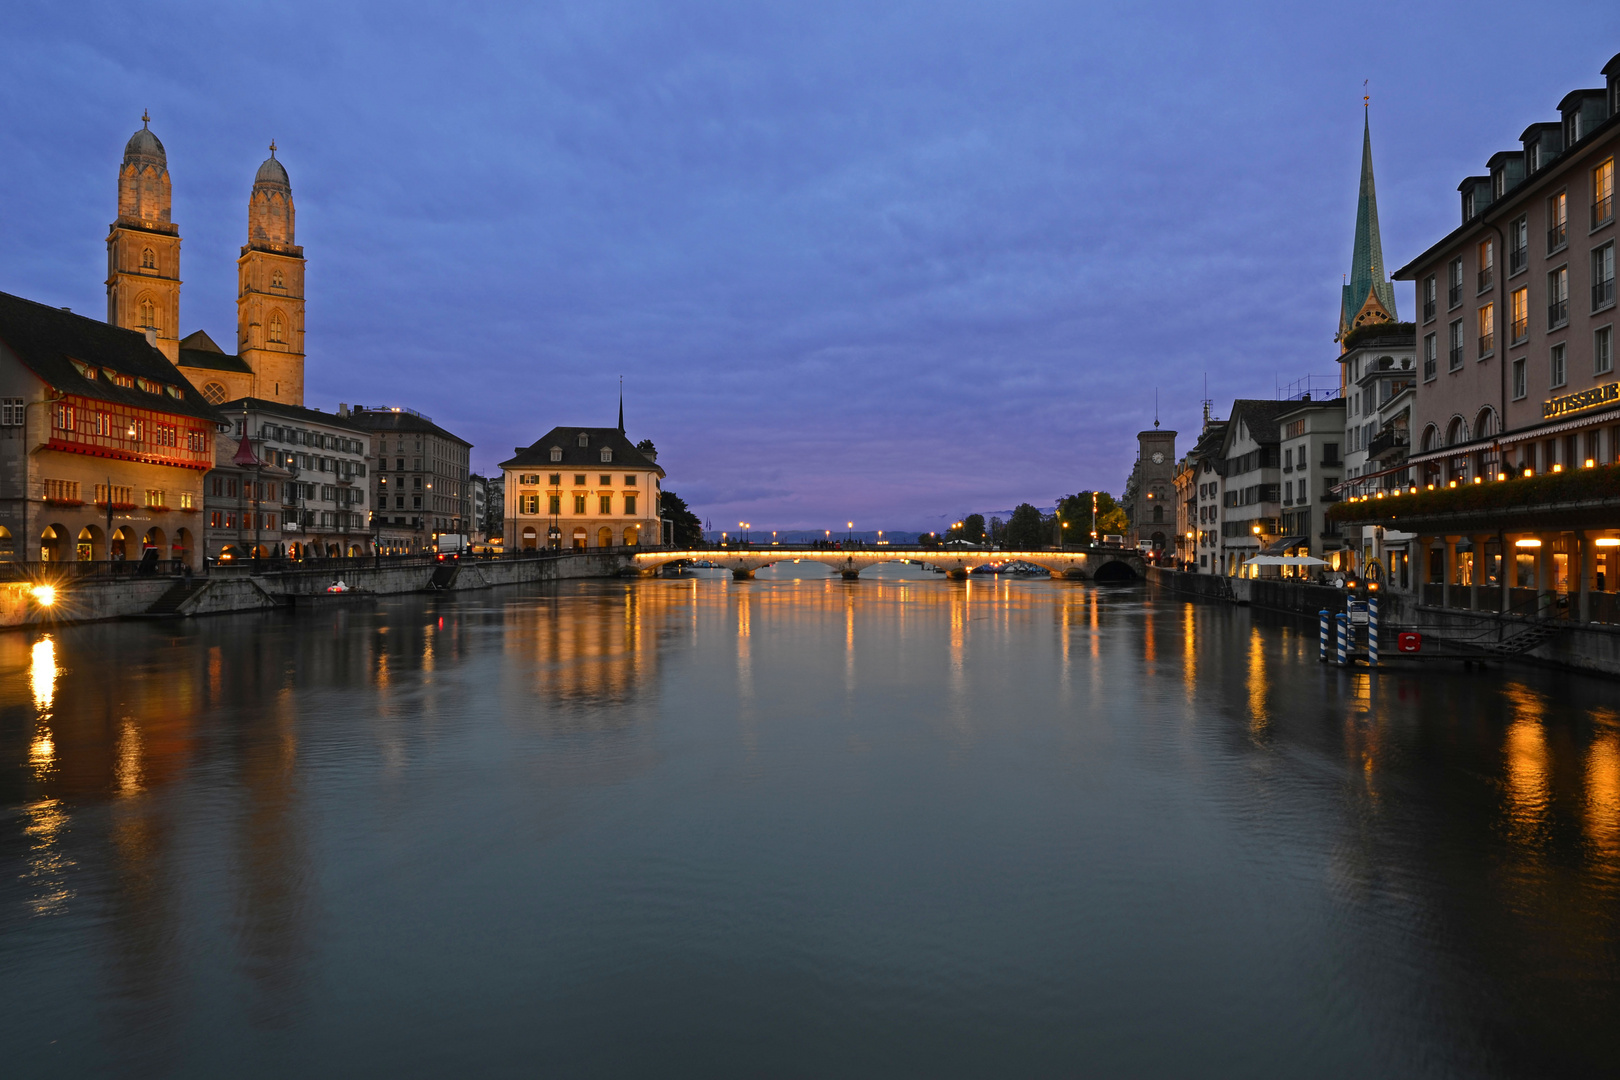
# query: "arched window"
[[1431, 438], [1457, 431], [276, 280], [147, 313], [214, 392], [1485, 423], [275, 327], [148, 259]]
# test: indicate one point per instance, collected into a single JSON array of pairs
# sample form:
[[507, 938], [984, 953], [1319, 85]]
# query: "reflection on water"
[[798, 825]]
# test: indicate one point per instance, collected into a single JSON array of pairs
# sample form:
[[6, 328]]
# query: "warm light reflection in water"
[[1258, 688], [47, 874], [128, 771], [42, 673], [1526, 761], [1189, 653], [1603, 796]]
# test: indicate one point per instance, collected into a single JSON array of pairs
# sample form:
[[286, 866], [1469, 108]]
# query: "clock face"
[[1158, 458]]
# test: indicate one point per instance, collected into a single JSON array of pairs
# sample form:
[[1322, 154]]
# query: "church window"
[[276, 280], [148, 259], [214, 392], [148, 314], [275, 327]]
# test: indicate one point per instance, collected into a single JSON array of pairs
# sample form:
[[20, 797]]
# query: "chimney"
[[68, 310], [343, 409], [151, 337]]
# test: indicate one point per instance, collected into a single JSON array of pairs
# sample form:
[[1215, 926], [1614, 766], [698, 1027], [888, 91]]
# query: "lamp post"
[[851, 533], [1093, 519]]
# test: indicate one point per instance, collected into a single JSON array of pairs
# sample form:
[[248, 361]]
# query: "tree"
[[1076, 510], [998, 530], [646, 447], [928, 539], [687, 528], [1026, 530]]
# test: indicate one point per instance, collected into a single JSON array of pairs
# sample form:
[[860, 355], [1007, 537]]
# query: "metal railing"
[[1487, 344], [1557, 314], [1454, 293], [1518, 259], [1386, 442], [1602, 294], [1428, 309], [1556, 236], [78, 570], [1487, 277], [1521, 330], [1456, 357], [1603, 211]]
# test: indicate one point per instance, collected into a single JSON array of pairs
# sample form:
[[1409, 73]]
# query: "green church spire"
[[1367, 262]]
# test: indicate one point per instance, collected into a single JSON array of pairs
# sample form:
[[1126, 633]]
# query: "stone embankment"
[[1480, 635], [240, 589]]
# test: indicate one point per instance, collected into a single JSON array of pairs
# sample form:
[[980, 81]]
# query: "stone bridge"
[[1083, 564]]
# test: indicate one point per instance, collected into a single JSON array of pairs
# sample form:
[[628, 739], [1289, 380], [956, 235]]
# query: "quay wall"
[[1590, 647], [231, 589]]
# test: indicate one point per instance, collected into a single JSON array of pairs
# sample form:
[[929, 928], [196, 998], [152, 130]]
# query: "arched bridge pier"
[[1079, 564]]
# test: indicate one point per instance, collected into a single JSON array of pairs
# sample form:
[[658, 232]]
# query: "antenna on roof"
[[1155, 408]]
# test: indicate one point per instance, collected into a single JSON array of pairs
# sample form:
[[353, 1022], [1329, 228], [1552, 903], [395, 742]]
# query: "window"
[[1603, 194], [630, 480], [1603, 276], [1558, 298], [579, 479], [154, 497], [148, 314], [1518, 379], [12, 411], [556, 453], [554, 504], [529, 504], [1557, 221], [276, 280], [1518, 245], [188, 501], [148, 259], [630, 505], [1430, 292], [1429, 348], [416, 503], [1603, 351], [605, 480], [62, 417], [1520, 299], [607, 454], [584, 439], [556, 480], [1555, 366], [604, 504], [1454, 274], [579, 504], [529, 478], [214, 393], [1487, 330], [62, 491], [1456, 354], [1487, 264]]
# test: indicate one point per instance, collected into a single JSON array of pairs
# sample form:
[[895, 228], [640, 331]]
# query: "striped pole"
[[1372, 631], [1323, 637], [1344, 643]]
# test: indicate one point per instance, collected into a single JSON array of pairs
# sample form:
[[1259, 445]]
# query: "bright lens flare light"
[[44, 595]]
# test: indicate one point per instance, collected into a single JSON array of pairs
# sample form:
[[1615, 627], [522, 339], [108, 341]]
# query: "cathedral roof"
[[272, 172], [144, 148], [1367, 276]]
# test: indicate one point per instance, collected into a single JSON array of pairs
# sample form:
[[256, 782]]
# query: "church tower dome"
[[270, 289], [143, 247]]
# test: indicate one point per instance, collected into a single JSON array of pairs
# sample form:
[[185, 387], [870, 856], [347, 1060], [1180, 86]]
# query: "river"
[[796, 827]]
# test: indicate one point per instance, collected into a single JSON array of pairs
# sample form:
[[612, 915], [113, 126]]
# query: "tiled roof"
[[48, 340], [291, 412], [399, 420], [576, 456]]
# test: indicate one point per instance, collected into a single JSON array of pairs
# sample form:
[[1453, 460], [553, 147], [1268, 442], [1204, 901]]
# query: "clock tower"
[[1150, 492]]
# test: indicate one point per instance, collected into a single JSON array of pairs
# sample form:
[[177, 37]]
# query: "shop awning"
[[1277, 547]]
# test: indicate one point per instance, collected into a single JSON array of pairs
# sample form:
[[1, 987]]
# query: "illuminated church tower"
[[1368, 296], [143, 248], [270, 290]]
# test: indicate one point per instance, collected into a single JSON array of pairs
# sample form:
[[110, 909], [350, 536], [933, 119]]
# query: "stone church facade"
[[143, 281]]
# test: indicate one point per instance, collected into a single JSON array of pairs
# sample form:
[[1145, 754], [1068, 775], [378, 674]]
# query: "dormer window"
[[584, 439], [607, 453], [1468, 205], [556, 453]]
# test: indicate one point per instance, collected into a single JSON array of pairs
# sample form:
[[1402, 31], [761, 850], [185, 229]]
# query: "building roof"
[[197, 350], [398, 420], [1259, 416], [1367, 259], [49, 339], [576, 456], [290, 412], [273, 172], [144, 148]]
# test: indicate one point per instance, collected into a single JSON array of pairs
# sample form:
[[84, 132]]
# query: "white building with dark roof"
[[582, 487]]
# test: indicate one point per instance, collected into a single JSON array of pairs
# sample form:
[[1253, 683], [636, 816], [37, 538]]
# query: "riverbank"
[[234, 589], [1588, 647]]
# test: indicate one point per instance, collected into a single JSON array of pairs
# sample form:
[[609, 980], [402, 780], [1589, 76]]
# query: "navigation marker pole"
[[1344, 634], [1323, 636], [1372, 631]]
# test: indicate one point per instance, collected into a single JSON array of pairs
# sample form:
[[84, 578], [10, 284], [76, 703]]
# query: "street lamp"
[[851, 525]]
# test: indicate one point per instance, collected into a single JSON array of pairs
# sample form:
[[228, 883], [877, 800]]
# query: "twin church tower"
[[143, 281]]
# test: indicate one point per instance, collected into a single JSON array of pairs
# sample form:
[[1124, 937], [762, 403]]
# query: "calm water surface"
[[903, 827]]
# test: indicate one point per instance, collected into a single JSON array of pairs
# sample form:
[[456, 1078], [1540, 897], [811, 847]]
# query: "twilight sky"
[[883, 262]]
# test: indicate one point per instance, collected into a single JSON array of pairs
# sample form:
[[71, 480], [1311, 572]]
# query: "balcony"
[[1602, 294], [1518, 259], [1603, 211], [1557, 314], [1385, 443], [1556, 237], [1487, 344], [1454, 294], [1487, 278], [1521, 330]]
